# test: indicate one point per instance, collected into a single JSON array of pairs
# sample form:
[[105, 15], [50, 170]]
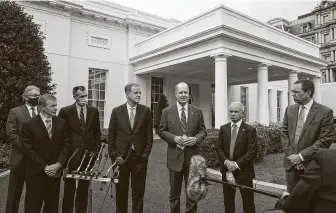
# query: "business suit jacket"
[[39, 150], [244, 152], [90, 139], [15, 119], [317, 132], [121, 135], [170, 126], [316, 190]]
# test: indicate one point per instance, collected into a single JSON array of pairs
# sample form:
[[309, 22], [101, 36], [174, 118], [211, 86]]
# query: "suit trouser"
[[15, 186], [136, 166], [292, 178], [81, 196], [41, 188], [175, 182], [230, 194]]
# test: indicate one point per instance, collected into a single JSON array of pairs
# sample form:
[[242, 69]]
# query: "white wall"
[[328, 95]]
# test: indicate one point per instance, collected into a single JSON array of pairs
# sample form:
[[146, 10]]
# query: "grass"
[[270, 169]]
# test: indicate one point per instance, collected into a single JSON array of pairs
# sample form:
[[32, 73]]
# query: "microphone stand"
[[274, 195]]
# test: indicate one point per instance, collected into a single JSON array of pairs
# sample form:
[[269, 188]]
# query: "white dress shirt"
[[129, 110], [179, 109], [84, 111], [307, 106], [31, 111]]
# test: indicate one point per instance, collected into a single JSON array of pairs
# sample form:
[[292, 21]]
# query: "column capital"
[[220, 56], [293, 73], [264, 65]]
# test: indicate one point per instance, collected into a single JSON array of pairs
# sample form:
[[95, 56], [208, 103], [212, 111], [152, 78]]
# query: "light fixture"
[[249, 68]]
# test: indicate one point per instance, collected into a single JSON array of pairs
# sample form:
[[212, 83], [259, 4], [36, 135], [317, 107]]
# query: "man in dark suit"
[[84, 134], [44, 141], [130, 140], [236, 150], [18, 168], [316, 190], [182, 127], [306, 127]]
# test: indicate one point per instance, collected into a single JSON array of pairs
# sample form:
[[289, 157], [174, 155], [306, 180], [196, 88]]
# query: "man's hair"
[[128, 87], [42, 101], [76, 88], [27, 89], [306, 85], [179, 84], [241, 106]]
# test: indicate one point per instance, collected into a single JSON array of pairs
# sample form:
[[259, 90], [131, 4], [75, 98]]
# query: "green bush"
[[268, 142]]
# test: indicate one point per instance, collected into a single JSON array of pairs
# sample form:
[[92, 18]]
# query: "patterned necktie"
[[299, 125], [132, 117], [82, 119], [183, 120], [33, 112], [49, 128], [233, 139]]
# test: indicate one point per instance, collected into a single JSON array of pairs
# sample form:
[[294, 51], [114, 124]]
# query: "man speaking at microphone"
[[236, 149], [182, 127]]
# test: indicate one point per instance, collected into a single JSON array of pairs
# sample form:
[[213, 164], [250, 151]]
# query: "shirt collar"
[[238, 123], [308, 105], [129, 106], [44, 118], [79, 107], [179, 107]]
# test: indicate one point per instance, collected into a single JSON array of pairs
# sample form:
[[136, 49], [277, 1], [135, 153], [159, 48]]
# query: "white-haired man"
[[17, 165], [236, 150]]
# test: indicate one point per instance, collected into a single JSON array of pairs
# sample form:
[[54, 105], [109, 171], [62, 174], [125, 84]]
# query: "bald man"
[[236, 150]]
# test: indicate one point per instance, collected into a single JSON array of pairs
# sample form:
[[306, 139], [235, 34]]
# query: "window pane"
[[102, 95]]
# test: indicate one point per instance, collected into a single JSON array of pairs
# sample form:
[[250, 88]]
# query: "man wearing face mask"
[[17, 164], [84, 134], [182, 127], [306, 127]]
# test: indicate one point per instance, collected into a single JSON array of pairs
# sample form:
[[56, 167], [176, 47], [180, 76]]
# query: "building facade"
[[222, 54]]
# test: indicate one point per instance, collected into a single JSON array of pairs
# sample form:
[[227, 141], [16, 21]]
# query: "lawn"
[[270, 169]]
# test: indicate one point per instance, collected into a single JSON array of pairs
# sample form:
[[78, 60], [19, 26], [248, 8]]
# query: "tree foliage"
[[162, 103], [22, 59]]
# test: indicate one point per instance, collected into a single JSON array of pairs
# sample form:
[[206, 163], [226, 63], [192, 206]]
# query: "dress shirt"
[[44, 119], [307, 106], [79, 109], [129, 110], [179, 109], [30, 110]]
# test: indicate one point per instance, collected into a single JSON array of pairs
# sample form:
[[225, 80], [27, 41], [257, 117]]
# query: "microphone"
[[197, 186]]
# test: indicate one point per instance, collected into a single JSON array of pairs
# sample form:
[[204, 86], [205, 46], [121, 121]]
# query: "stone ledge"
[[269, 187]]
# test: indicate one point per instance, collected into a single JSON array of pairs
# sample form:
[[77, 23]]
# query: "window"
[[324, 77], [313, 40], [244, 101], [156, 92], [333, 73], [270, 103], [304, 28], [96, 92], [279, 104], [326, 38], [325, 19]]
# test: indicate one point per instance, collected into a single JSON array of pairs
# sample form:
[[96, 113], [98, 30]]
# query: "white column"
[[327, 75], [263, 111], [331, 34], [221, 97], [293, 76], [317, 93]]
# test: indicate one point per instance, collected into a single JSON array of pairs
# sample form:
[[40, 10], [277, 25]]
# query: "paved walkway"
[[157, 191]]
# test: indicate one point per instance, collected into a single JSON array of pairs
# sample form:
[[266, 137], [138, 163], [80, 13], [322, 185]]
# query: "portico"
[[225, 48]]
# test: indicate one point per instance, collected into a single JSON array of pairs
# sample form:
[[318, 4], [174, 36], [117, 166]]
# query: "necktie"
[[183, 120], [33, 112], [132, 117], [49, 128], [233, 139], [82, 119], [299, 126]]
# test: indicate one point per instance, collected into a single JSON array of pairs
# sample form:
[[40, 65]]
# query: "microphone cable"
[[108, 189]]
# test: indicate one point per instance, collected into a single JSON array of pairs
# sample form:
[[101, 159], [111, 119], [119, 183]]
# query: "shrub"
[[158, 108], [268, 142], [4, 156]]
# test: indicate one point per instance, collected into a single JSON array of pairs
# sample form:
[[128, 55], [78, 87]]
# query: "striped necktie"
[[183, 120], [82, 119], [33, 112], [49, 128]]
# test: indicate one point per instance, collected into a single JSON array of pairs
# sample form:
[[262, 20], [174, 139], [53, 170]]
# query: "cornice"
[[125, 17]]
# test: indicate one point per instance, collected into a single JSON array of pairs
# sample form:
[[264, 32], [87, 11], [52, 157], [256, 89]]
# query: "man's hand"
[[284, 194], [231, 165], [120, 161], [179, 140], [52, 169], [300, 167], [294, 159], [190, 141]]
